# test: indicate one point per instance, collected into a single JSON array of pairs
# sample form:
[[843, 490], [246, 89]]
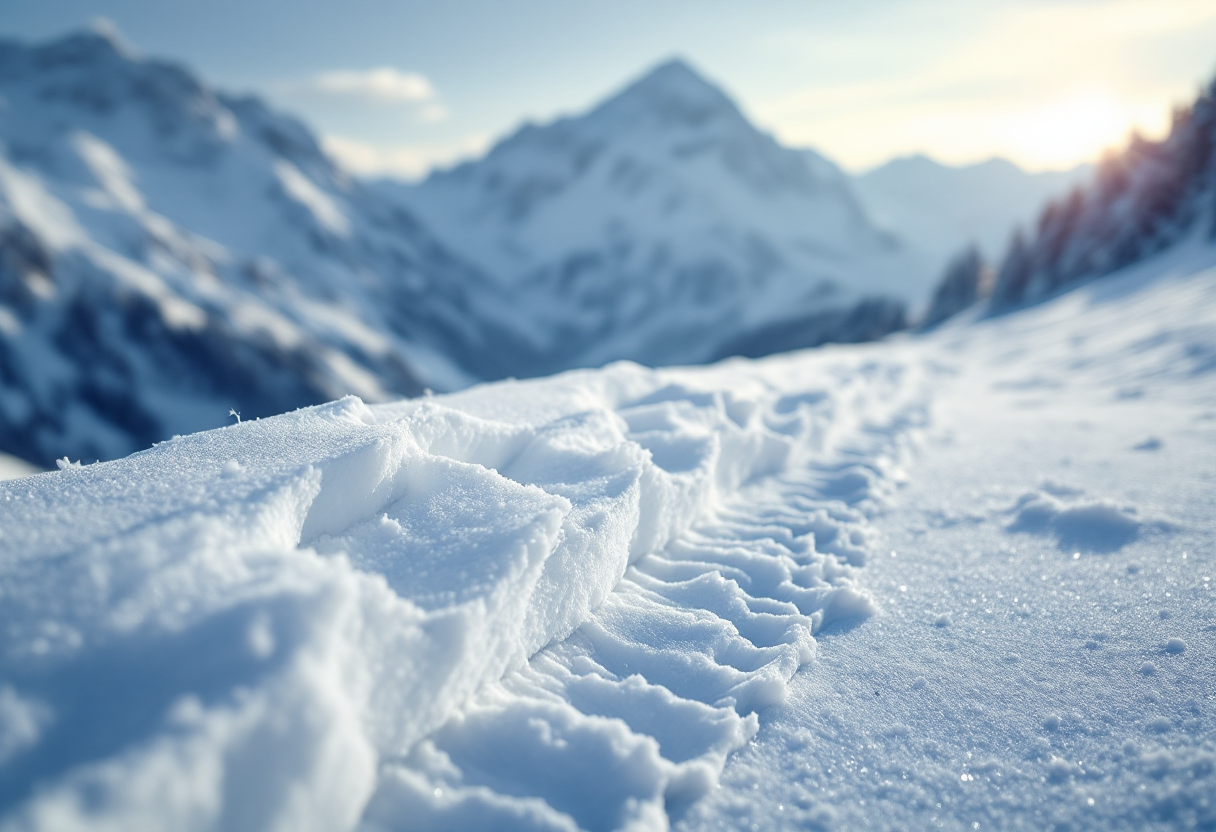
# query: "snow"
[[960, 579], [1043, 656], [954, 579], [320, 204], [208, 631]]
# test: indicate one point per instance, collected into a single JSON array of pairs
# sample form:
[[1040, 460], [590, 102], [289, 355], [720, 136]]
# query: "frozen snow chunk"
[[458, 532], [408, 800], [1175, 646], [845, 604], [1098, 526], [1158, 725], [1150, 444], [1094, 527], [1059, 769], [587, 767]]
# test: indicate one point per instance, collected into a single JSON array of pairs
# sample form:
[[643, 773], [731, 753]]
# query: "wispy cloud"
[[410, 162], [385, 84]]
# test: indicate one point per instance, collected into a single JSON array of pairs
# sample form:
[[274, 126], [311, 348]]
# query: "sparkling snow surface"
[[959, 580]]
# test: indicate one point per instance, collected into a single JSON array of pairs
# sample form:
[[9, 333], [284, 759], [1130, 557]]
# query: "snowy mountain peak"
[[662, 226], [672, 94], [96, 45], [169, 253], [76, 81]]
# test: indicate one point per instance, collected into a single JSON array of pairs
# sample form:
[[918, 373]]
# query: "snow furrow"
[[627, 722], [555, 604]]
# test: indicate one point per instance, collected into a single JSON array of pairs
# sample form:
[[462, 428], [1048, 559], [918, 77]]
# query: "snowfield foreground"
[[567, 603]]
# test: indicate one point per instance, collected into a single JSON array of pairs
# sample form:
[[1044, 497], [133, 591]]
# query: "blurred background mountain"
[[170, 253]]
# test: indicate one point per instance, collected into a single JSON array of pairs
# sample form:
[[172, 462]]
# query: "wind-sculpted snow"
[[555, 604]]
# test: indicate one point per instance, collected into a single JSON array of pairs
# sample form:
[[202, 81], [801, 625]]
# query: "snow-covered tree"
[[1140, 201], [965, 281]]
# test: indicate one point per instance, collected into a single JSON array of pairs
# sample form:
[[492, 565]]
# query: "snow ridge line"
[[629, 721], [276, 624]]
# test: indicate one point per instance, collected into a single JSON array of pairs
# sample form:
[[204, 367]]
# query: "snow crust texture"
[[554, 604], [1045, 655]]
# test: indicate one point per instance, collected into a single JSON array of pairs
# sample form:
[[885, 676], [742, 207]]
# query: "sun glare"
[[1077, 128]]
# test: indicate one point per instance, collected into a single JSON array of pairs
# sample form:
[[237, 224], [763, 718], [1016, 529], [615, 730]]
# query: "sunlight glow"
[[1047, 85], [1080, 126]]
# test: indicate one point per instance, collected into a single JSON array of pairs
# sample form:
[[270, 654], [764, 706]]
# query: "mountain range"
[[663, 227], [938, 209], [169, 253], [172, 256]]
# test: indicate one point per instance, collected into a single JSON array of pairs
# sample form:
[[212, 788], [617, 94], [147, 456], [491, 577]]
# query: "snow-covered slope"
[[168, 253], [1045, 654], [939, 209], [564, 603], [662, 226], [293, 623]]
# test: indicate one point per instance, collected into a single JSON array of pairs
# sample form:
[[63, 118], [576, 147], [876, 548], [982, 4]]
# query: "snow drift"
[[413, 610]]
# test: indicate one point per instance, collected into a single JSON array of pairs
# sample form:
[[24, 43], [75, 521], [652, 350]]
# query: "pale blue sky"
[[401, 85]]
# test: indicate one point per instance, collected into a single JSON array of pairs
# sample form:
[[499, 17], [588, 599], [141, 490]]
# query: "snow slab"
[[633, 599], [553, 604]]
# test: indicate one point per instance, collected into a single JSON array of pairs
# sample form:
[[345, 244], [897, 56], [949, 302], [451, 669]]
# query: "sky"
[[396, 87]]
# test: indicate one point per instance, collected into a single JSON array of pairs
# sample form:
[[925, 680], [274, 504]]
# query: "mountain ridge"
[[171, 253], [641, 204]]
